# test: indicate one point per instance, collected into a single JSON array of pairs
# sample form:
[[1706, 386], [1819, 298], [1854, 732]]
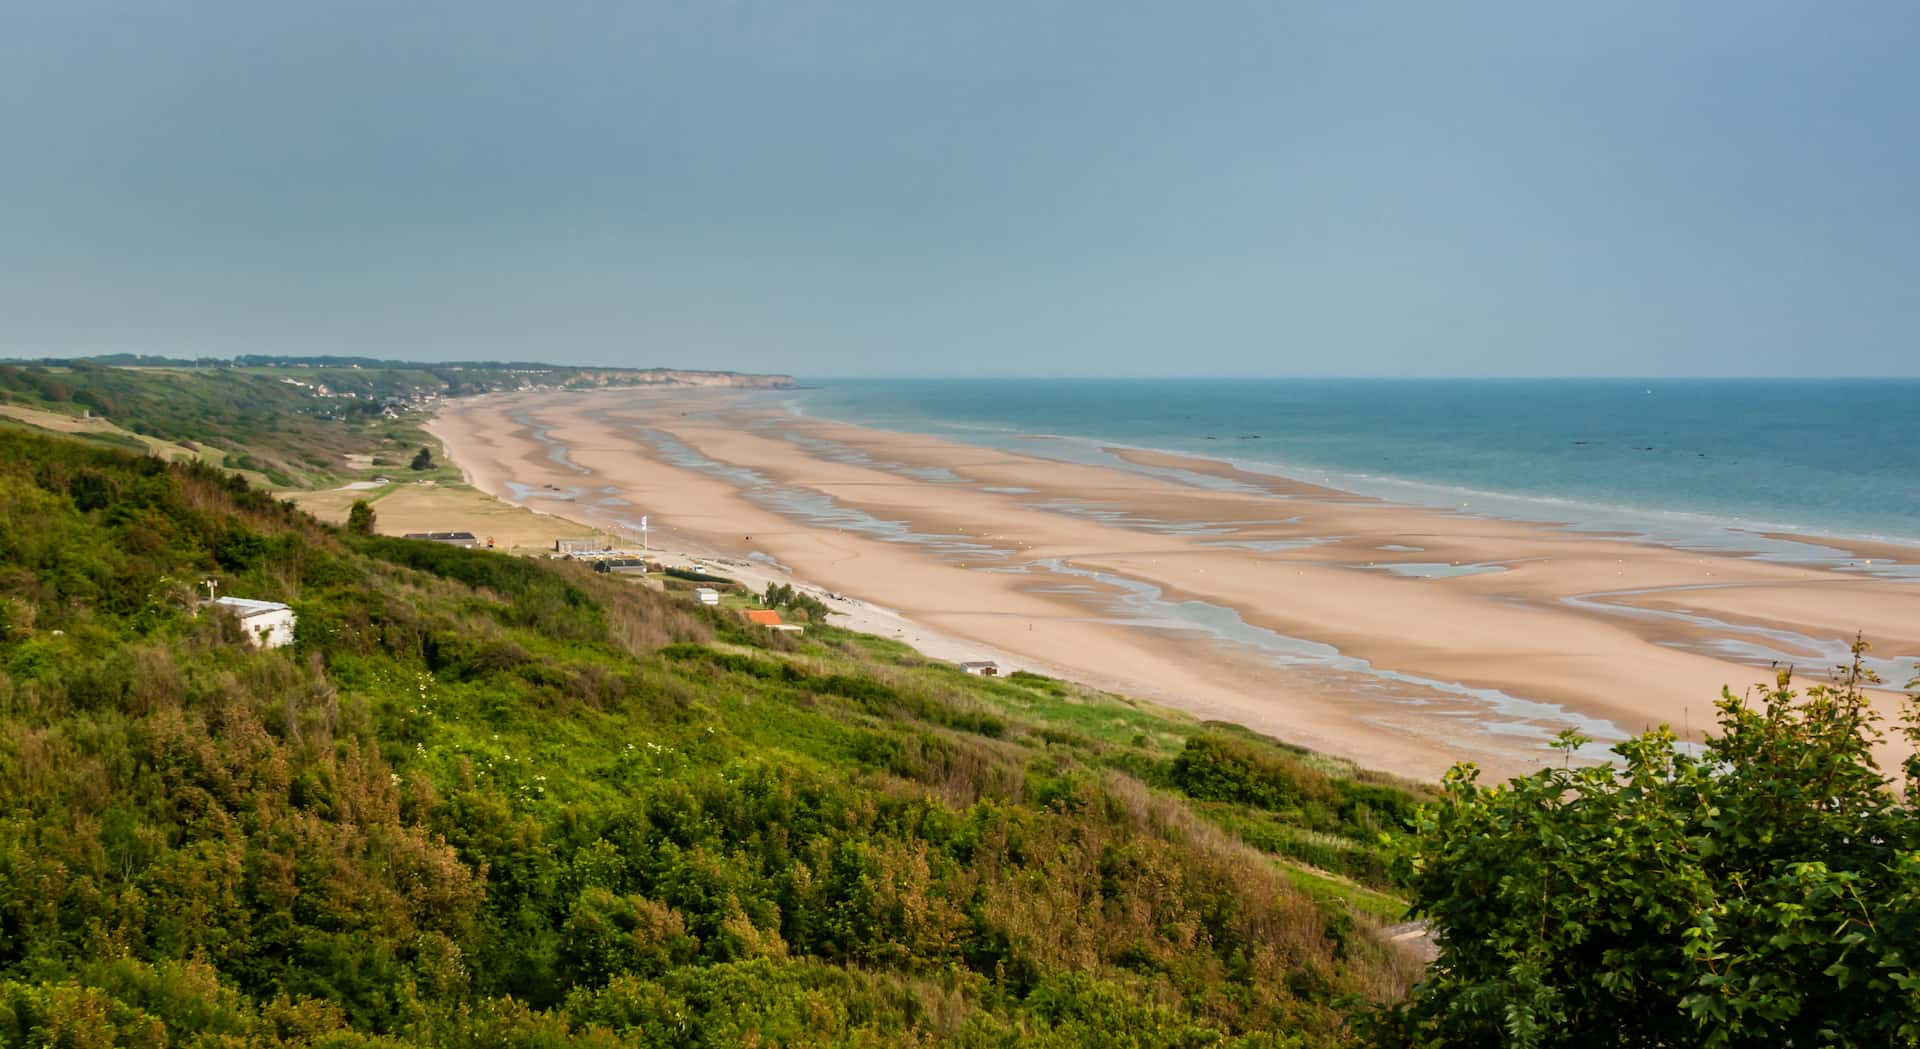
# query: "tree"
[[1765, 892], [360, 518], [422, 460], [805, 605]]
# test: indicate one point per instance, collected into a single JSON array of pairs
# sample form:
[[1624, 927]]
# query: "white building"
[[707, 595], [269, 624]]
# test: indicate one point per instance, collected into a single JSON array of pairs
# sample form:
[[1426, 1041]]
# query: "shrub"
[[1763, 893], [1219, 769]]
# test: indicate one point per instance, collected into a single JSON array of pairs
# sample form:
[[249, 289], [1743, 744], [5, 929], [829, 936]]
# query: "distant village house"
[[620, 564], [466, 539], [269, 624]]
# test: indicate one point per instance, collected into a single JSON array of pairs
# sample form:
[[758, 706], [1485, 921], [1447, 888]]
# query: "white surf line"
[[1686, 530]]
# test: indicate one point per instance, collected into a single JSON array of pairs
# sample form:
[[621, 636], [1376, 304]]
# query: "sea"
[[1703, 462]]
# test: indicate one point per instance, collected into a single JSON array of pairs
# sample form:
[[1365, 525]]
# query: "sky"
[[970, 189]]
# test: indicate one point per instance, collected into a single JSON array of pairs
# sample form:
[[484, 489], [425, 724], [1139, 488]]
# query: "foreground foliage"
[[1763, 893], [488, 801]]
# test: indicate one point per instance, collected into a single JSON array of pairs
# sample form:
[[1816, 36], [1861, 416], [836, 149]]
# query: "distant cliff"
[[468, 372], [674, 377], [281, 417]]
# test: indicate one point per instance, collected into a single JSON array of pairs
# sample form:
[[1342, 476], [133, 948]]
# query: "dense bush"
[[1763, 893], [691, 576], [805, 605], [1217, 767]]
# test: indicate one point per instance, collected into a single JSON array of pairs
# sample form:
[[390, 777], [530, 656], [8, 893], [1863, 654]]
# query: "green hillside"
[[258, 421], [284, 422], [489, 801]]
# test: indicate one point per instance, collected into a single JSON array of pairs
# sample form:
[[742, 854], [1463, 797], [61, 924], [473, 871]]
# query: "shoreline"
[[1294, 609], [1358, 485], [850, 612]]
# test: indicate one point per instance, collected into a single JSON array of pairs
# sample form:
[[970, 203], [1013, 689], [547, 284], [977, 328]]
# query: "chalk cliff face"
[[676, 377]]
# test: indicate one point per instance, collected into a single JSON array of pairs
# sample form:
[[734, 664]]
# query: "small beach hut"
[[981, 668], [707, 595]]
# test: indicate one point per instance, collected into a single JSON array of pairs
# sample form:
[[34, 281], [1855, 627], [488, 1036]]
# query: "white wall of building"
[[268, 624], [270, 629]]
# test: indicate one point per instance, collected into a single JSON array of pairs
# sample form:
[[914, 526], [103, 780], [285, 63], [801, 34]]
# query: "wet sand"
[[1405, 638]]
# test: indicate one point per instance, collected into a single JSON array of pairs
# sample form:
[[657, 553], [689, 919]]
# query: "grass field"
[[409, 506]]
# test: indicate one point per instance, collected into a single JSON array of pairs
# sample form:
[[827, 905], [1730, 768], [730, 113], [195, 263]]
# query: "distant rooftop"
[[247, 606]]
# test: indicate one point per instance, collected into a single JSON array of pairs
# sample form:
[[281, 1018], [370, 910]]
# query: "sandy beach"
[[1406, 638]]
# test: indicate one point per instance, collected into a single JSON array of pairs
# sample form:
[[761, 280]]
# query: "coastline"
[[1325, 451], [1278, 604]]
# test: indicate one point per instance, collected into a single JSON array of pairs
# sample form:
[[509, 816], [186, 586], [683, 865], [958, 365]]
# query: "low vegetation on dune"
[[491, 801]]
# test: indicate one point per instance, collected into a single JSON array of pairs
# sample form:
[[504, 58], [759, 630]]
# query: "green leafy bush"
[[1763, 892]]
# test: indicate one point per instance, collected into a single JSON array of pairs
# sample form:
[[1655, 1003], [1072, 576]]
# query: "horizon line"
[[1008, 377]]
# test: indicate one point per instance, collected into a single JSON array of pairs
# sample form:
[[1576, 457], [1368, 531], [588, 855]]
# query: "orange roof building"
[[763, 616]]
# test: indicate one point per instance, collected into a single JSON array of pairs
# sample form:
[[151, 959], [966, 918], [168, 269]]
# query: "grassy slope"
[[272, 426], [270, 422], [485, 800], [249, 420]]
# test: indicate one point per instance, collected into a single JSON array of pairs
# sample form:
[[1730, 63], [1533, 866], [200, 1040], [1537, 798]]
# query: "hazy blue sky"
[[969, 188]]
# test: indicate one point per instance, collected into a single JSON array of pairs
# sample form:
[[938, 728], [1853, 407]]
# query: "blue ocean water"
[[1671, 458]]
